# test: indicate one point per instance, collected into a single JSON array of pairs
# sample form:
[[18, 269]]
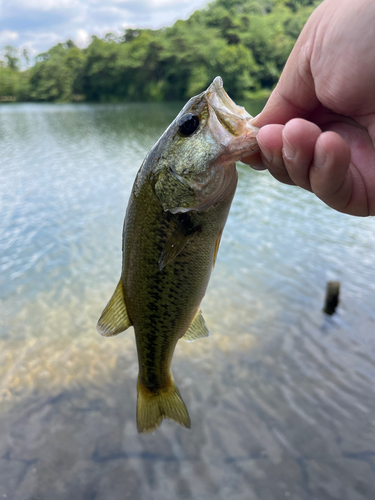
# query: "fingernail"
[[254, 118], [268, 155], [253, 164], [320, 156], [260, 166], [288, 151]]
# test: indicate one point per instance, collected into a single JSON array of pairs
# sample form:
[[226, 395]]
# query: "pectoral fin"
[[114, 318], [197, 329], [177, 242]]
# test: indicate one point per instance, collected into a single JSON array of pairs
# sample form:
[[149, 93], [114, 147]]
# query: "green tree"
[[12, 81], [57, 74], [8, 82], [247, 42], [11, 56]]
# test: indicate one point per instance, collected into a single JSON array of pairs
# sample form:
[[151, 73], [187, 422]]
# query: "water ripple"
[[281, 397]]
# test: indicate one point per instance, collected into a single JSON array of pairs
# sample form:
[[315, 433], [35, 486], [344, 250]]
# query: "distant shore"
[[246, 42]]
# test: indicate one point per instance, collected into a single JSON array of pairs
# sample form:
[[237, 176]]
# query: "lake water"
[[281, 396]]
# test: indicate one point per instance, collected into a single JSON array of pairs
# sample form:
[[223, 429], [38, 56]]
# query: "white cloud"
[[164, 3], [41, 43], [40, 24], [8, 36], [44, 5], [82, 38]]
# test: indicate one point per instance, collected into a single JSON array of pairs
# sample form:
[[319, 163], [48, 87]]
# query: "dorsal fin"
[[197, 329], [114, 318]]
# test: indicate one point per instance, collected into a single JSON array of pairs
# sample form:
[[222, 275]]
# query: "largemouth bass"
[[175, 217]]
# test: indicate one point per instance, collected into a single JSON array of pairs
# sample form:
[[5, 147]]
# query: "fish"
[[175, 217]]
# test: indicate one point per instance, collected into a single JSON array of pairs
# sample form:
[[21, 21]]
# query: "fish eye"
[[188, 124]]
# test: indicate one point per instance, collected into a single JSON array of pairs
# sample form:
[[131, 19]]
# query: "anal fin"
[[197, 330], [114, 318]]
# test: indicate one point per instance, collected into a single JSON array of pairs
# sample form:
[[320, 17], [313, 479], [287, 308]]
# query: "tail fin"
[[153, 407]]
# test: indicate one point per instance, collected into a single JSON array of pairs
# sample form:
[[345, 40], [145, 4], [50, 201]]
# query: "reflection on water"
[[281, 398]]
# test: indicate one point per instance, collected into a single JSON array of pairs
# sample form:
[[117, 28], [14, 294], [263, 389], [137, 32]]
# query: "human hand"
[[318, 127]]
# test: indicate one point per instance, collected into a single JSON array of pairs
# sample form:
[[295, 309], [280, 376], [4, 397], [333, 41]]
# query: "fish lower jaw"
[[237, 151], [236, 147]]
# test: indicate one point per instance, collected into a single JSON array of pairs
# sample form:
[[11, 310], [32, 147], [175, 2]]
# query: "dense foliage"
[[247, 42]]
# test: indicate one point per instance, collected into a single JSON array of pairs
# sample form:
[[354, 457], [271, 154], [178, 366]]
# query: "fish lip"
[[231, 123], [218, 82], [235, 119], [221, 102]]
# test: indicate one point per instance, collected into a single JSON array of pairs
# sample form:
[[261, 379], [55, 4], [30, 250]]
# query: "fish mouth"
[[230, 123], [234, 118]]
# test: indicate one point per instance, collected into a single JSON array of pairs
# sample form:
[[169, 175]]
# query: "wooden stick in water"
[[332, 297]]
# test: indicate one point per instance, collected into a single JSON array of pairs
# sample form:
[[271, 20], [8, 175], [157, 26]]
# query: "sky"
[[39, 24]]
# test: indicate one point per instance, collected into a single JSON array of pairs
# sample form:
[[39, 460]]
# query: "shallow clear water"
[[281, 397]]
